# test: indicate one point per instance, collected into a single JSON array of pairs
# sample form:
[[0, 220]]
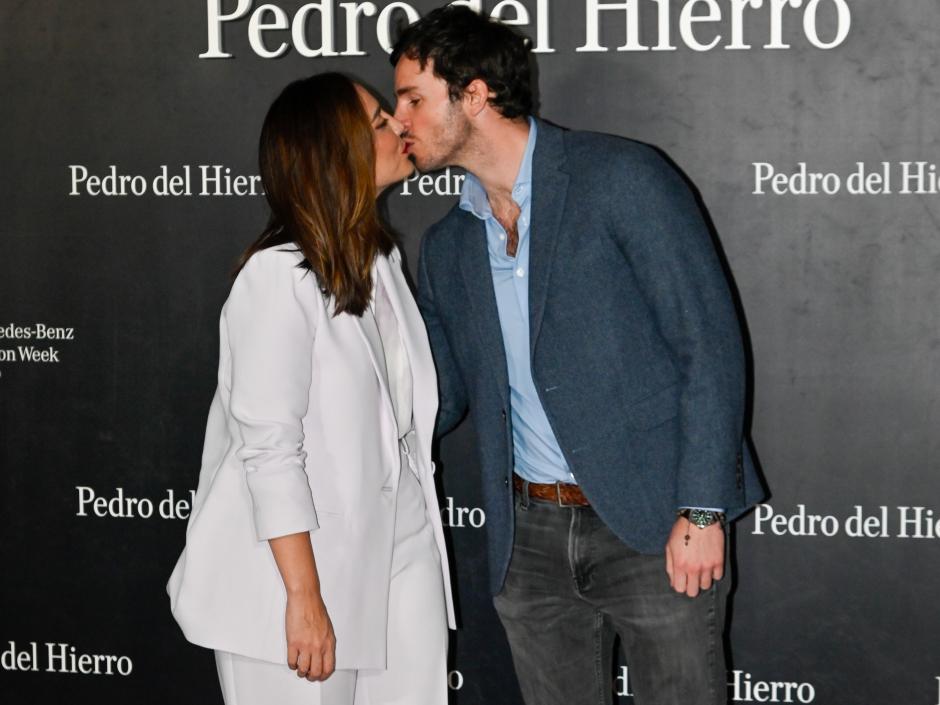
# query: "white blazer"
[[302, 437]]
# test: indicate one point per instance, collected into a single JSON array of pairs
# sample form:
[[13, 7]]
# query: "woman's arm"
[[311, 644], [271, 325]]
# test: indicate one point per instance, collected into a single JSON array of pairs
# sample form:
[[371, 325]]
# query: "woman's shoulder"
[[272, 261], [274, 275]]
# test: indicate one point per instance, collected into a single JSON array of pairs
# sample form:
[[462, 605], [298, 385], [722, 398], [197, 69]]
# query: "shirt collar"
[[473, 196]]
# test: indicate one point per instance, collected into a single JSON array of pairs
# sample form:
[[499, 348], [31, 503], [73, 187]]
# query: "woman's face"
[[391, 160]]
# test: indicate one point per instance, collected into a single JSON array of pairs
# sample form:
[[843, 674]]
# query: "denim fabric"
[[571, 583]]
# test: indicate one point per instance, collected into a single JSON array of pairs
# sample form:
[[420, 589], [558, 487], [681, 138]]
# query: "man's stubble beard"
[[450, 141]]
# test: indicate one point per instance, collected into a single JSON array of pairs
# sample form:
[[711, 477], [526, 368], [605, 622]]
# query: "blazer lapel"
[[549, 193], [475, 267]]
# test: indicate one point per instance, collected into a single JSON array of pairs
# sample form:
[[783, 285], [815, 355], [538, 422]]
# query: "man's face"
[[436, 129]]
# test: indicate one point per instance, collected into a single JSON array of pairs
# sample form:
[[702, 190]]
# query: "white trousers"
[[417, 633]]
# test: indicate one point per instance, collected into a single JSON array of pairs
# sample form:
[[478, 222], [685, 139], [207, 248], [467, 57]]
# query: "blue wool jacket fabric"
[[635, 345]]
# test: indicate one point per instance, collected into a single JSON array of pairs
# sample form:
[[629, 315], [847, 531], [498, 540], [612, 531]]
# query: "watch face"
[[702, 518]]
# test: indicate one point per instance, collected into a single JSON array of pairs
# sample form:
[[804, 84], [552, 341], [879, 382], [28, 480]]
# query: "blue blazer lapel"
[[475, 267], [549, 194]]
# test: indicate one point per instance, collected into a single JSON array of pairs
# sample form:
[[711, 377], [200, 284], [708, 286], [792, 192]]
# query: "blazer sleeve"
[[271, 324], [453, 393], [665, 239]]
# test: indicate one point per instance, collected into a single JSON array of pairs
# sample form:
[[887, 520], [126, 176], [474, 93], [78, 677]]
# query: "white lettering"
[[623, 682], [919, 521], [688, 18], [919, 178], [455, 680], [353, 10], [14, 660], [257, 25], [799, 524], [844, 24], [737, 22], [776, 22], [444, 184], [743, 689], [801, 183], [460, 517], [299, 29], [858, 526], [111, 185], [592, 25], [215, 20], [385, 18], [62, 658]]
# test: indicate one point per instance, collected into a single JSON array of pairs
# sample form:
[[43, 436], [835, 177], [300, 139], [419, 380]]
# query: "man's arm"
[[663, 235], [451, 389]]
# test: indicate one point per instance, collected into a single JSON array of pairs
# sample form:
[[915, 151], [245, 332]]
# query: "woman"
[[315, 540]]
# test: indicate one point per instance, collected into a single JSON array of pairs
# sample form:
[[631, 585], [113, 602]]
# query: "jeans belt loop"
[[525, 493]]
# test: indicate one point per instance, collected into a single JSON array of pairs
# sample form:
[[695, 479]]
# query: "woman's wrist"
[[303, 591]]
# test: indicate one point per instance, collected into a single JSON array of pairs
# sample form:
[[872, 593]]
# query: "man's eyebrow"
[[405, 89]]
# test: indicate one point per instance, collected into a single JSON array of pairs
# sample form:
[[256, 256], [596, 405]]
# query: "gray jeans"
[[571, 582]]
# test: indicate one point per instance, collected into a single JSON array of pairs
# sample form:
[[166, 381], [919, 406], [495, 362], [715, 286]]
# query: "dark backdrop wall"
[[810, 131]]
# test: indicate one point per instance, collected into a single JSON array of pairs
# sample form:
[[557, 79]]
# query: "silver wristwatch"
[[702, 517]]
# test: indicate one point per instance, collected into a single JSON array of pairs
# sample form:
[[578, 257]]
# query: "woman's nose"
[[397, 127]]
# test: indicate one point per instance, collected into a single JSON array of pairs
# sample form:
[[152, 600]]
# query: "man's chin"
[[425, 163]]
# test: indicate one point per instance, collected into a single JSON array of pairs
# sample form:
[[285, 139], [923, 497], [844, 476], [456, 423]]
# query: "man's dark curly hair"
[[464, 46]]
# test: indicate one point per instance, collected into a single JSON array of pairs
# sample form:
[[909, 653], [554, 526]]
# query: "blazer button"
[[506, 482], [503, 414]]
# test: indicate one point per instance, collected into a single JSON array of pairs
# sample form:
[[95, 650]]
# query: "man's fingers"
[[719, 572], [705, 580], [692, 584], [669, 563], [679, 581], [292, 654]]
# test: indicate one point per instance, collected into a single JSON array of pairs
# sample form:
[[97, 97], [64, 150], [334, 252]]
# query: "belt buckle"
[[558, 496]]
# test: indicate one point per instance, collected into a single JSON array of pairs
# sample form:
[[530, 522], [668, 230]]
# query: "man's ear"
[[476, 96]]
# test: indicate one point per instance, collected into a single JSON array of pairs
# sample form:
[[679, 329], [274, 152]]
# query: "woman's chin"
[[408, 168]]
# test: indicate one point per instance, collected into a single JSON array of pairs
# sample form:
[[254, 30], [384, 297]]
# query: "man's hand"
[[692, 565], [311, 645]]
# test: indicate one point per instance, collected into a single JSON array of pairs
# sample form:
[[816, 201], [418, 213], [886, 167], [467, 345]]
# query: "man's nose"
[[399, 116]]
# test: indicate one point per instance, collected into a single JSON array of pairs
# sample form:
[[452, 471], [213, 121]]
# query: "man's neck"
[[496, 156]]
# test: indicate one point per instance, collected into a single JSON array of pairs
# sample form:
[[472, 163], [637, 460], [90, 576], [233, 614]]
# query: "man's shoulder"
[[601, 155]]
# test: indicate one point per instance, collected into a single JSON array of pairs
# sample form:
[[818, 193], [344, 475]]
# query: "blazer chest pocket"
[[654, 409]]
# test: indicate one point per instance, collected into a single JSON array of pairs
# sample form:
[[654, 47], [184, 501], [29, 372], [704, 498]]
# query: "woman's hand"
[[311, 644]]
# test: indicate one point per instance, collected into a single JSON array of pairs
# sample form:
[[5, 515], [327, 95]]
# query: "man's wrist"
[[702, 518]]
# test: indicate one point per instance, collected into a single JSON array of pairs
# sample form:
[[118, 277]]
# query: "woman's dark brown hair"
[[317, 164]]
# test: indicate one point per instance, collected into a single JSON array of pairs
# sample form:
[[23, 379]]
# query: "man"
[[574, 302]]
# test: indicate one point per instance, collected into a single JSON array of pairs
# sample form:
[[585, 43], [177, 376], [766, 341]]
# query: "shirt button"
[[520, 272], [502, 237]]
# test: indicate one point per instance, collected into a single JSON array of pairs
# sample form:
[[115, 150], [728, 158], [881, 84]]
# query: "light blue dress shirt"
[[537, 456]]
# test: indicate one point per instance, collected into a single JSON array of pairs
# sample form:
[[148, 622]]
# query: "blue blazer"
[[635, 344]]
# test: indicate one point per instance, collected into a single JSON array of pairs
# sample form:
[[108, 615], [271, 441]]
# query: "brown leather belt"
[[560, 493]]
